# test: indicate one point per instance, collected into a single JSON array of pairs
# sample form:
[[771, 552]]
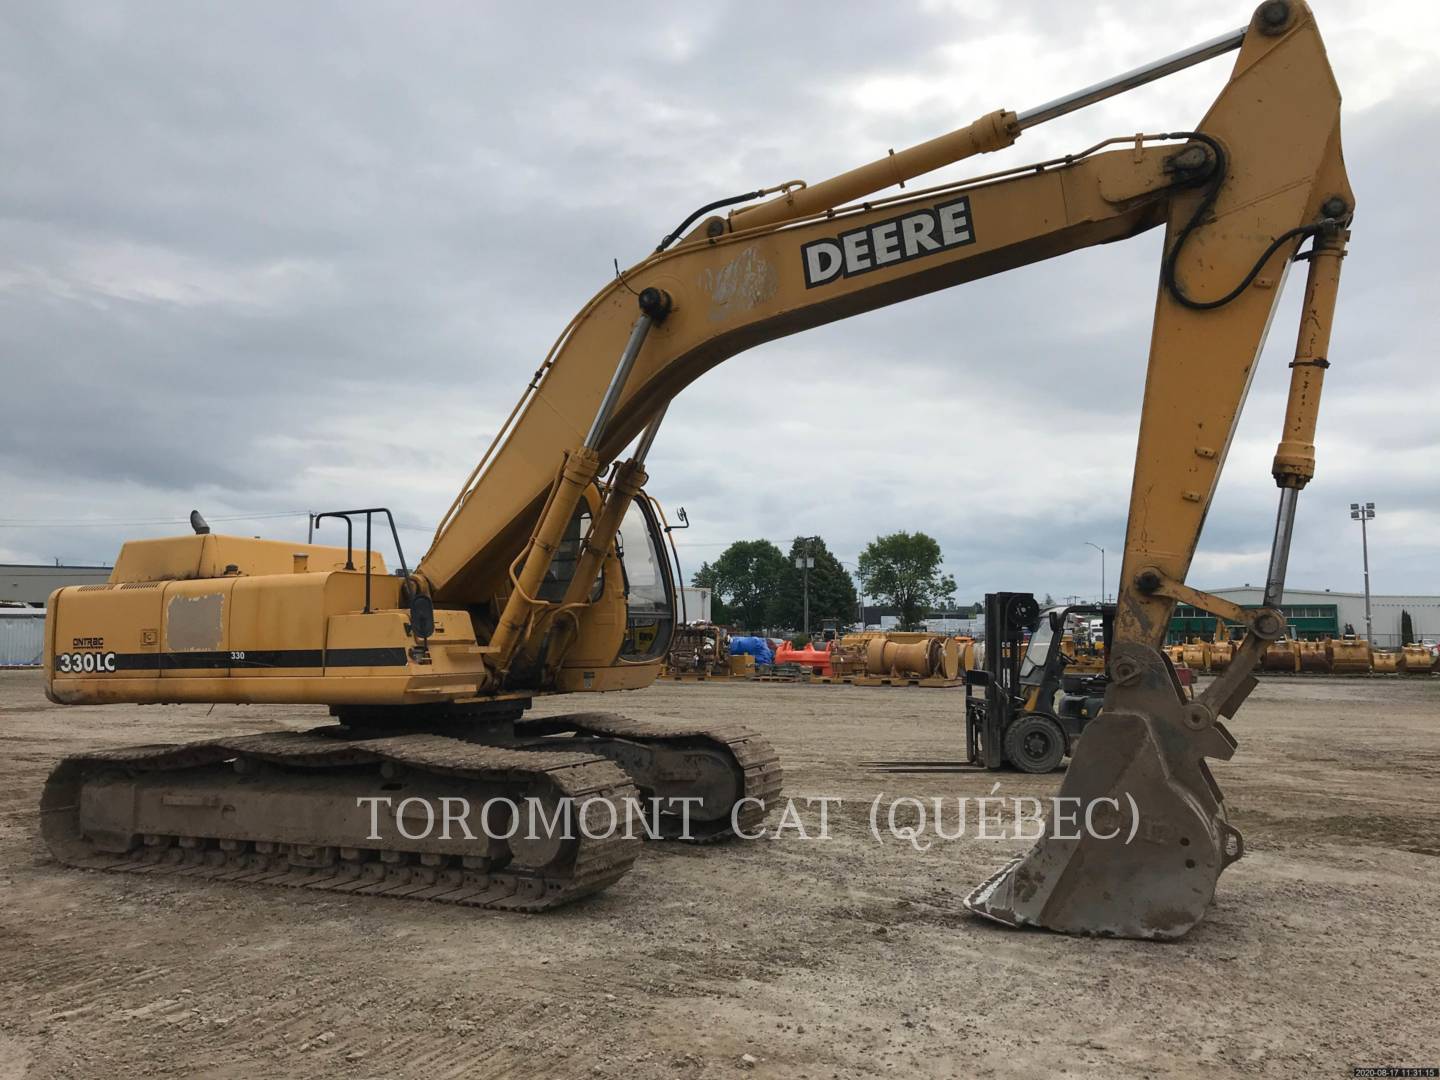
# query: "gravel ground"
[[782, 957]]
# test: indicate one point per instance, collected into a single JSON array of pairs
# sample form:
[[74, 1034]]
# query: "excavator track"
[[185, 810], [751, 762]]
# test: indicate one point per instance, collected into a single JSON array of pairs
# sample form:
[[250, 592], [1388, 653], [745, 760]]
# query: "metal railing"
[[369, 512]]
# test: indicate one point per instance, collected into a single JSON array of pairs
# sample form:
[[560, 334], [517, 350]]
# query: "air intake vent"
[[95, 588], [142, 585]]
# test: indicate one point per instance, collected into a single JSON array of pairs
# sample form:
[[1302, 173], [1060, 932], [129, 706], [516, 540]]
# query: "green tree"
[[746, 580], [1407, 628], [832, 590], [903, 571]]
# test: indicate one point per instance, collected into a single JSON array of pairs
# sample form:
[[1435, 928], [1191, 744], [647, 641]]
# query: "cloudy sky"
[[265, 258]]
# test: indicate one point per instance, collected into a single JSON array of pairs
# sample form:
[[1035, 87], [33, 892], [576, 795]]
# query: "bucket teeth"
[[1137, 837]]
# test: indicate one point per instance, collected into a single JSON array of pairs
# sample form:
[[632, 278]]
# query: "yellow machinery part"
[[1314, 657], [1348, 656], [919, 655], [1282, 655], [1196, 655], [1416, 660], [1221, 653]]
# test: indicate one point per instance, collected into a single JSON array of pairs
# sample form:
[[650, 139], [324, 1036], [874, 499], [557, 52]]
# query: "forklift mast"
[[1007, 616]]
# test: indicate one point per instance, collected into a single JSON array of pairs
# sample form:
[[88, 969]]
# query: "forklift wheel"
[[1035, 744]]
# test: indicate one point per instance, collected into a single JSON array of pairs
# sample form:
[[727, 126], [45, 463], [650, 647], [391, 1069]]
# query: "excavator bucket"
[[1137, 836]]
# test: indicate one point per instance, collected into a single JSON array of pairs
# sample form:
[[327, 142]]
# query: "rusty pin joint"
[[1273, 17], [656, 304], [1193, 164], [1149, 580], [1268, 625], [1126, 672]]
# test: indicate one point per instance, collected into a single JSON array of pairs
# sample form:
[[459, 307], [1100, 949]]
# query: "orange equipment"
[[817, 660]]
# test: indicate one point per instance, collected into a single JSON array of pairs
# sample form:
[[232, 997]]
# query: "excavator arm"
[[1238, 195], [1264, 164]]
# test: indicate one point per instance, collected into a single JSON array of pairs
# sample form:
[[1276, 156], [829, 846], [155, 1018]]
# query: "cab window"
[[567, 554], [649, 588]]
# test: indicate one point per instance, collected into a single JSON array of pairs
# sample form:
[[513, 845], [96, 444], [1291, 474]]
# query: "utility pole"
[[809, 562], [805, 563], [1363, 512], [1101, 550], [859, 590]]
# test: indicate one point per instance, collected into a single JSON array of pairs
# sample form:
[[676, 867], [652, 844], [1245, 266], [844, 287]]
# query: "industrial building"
[[32, 583], [1321, 613], [24, 588]]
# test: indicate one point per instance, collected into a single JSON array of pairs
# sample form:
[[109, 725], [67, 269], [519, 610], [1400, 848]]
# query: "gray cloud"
[[276, 257]]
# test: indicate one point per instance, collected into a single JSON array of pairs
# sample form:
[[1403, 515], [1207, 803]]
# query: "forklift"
[[1032, 711]]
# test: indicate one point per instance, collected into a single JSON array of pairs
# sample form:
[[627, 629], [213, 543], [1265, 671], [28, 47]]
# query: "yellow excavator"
[[546, 576]]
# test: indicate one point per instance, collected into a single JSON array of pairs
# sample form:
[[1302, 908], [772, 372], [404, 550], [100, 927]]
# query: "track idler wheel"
[[1138, 837]]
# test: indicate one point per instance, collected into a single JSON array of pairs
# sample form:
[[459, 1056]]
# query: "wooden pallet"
[[836, 679], [900, 680]]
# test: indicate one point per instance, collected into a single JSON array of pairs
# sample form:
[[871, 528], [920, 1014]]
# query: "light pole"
[[1101, 550], [1363, 512], [859, 589], [805, 563]]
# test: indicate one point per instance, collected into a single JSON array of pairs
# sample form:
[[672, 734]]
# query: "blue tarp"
[[757, 647]]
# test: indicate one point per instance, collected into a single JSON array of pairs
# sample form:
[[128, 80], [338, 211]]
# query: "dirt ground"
[[787, 958]]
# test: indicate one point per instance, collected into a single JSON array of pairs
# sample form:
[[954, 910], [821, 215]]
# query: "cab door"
[[649, 585]]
